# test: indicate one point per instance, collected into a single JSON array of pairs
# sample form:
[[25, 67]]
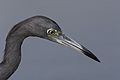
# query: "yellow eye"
[[52, 32]]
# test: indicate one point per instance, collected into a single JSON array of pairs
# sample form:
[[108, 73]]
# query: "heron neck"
[[12, 57]]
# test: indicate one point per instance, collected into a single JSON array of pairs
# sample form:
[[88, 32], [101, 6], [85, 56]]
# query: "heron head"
[[54, 33], [46, 28]]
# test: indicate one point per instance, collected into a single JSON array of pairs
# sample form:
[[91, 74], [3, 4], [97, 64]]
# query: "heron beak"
[[65, 40]]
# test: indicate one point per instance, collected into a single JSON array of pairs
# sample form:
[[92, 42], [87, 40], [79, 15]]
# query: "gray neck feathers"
[[12, 56]]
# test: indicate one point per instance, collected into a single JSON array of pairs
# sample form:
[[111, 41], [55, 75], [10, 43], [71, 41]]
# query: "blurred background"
[[93, 23]]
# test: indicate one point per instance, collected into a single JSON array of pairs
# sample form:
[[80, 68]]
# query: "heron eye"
[[51, 31]]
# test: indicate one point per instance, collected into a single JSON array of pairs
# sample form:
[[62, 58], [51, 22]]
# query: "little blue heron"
[[36, 26]]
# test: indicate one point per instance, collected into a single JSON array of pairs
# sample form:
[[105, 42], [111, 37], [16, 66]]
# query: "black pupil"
[[52, 32]]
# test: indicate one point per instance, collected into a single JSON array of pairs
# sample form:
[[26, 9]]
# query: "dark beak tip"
[[90, 54], [97, 60], [94, 58]]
